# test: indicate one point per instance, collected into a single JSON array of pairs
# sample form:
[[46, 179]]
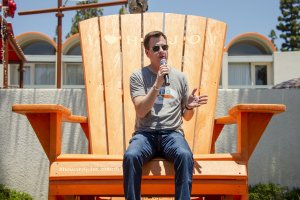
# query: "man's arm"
[[193, 102], [143, 104], [188, 114]]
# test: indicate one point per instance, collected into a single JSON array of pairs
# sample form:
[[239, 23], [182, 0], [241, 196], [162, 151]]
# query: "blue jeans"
[[143, 146]]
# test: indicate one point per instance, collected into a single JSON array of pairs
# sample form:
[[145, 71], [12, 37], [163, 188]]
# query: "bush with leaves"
[[272, 191], [11, 194]]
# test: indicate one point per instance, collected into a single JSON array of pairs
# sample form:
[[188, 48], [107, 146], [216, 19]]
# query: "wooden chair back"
[[112, 49]]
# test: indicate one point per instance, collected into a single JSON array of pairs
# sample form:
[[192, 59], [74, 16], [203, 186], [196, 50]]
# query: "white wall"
[[24, 166], [286, 66]]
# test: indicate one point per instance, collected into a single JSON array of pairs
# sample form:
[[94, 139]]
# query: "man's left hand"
[[196, 101]]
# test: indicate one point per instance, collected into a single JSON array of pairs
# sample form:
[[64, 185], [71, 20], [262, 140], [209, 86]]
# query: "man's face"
[[156, 50]]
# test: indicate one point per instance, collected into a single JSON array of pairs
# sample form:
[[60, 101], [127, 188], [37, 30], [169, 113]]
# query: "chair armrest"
[[48, 108], [257, 108], [46, 121], [225, 120], [251, 119], [249, 108]]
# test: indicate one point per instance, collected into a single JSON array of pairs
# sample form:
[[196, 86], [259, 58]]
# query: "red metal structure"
[[10, 50]]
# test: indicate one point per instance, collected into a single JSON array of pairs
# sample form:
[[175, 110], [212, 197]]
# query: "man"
[[159, 111]]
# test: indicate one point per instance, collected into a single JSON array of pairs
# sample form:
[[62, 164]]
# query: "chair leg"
[[228, 197], [237, 197], [51, 197], [56, 197], [244, 197]]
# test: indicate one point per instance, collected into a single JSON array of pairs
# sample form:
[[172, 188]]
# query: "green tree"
[[289, 25], [84, 14], [123, 10], [273, 36]]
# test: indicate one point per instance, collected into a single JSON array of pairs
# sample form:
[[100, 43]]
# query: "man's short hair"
[[151, 34]]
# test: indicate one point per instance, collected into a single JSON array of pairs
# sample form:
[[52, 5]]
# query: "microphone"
[[166, 76]]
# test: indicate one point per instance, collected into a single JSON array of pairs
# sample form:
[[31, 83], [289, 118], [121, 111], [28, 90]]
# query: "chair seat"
[[105, 167]]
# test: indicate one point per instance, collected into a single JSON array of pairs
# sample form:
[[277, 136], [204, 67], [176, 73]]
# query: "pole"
[[5, 62], [21, 73], [78, 7], [59, 16]]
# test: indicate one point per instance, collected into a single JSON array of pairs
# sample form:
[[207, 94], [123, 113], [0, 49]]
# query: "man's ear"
[[147, 52]]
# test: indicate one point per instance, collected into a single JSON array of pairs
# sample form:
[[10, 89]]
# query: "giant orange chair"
[[112, 49]]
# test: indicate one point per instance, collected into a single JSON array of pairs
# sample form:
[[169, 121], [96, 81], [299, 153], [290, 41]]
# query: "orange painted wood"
[[250, 130], [225, 120], [40, 108], [47, 109], [149, 187], [131, 48], [94, 86], [76, 119], [257, 123], [112, 50], [112, 72], [85, 128], [55, 133], [217, 131], [97, 157], [155, 169], [174, 29], [210, 75], [48, 130], [192, 65], [258, 108], [40, 123], [151, 22]]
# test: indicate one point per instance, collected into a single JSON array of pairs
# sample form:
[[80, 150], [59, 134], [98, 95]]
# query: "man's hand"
[[163, 70], [196, 101]]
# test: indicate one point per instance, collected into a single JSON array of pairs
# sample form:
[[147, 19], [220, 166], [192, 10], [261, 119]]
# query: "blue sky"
[[241, 15]]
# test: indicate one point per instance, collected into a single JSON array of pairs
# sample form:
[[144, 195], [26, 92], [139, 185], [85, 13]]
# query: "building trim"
[[29, 37], [252, 36], [70, 42]]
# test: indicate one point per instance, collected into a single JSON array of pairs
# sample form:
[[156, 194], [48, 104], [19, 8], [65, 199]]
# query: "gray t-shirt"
[[166, 114]]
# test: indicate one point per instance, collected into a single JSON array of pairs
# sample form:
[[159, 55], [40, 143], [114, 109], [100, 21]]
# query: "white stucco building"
[[250, 61]]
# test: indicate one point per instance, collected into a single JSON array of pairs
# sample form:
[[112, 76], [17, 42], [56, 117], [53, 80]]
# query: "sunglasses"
[[164, 47]]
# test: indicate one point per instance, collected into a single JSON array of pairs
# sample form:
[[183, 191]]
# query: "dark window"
[[39, 48], [260, 75], [75, 50], [247, 48]]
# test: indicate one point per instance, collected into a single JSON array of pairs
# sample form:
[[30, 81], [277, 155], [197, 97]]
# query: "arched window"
[[248, 48], [40, 69], [38, 48], [75, 50], [250, 64]]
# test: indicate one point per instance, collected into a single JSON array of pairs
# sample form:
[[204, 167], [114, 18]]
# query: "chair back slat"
[[112, 71], [192, 65], [196, 48], [93, 78], [174, 29], [151, 22], [211, 70], [131, 54]]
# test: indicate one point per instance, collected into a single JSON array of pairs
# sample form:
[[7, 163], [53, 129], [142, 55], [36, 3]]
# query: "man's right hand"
[[163, 70]]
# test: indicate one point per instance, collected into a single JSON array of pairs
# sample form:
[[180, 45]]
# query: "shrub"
[[11, 194], [272, 191], [294, 194]]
